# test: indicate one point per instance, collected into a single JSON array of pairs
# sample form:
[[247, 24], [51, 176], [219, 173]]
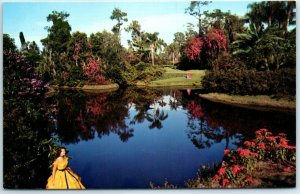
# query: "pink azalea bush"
[[94, 72]]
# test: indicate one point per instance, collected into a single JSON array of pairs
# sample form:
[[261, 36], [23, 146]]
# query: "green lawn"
[[174, 77]]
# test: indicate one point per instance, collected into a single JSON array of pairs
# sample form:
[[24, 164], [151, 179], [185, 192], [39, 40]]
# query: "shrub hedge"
[[251, 82]]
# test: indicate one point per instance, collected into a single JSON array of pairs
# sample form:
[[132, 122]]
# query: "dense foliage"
[[26, 136], [250, 82]]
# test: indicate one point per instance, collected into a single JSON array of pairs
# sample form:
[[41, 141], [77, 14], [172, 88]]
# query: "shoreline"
[[259, 102]]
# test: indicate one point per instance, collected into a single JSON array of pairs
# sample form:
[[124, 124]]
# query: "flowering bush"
[[271, 147], [238, 164], [193, 48], [94, 72], [215, 42], [20, 78], [202, 51]]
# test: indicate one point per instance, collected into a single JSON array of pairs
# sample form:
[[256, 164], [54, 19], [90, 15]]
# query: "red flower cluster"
[[265, 147], [236, 168], [226, 174], [193, 48], [268, 145], [215, 41], [245, 152], [93, 71]]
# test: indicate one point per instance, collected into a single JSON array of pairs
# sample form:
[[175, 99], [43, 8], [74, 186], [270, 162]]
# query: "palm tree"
[[291, 5], [256, 14], [258, 46], [273, 13], [173, 49], [153, 43]]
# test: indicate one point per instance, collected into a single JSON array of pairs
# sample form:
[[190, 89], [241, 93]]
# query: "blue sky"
[[165, 17]]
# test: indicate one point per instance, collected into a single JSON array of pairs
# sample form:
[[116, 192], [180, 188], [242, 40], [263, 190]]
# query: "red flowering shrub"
[[200, 51], [94, 72], [264, 147], [193, 48], [215, 42], [271, 147]]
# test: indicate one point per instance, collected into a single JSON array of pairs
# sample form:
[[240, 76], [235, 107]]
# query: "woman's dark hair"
[[58, 150]]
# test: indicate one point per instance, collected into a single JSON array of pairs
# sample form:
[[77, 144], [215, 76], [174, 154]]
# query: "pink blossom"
[[227, 151]]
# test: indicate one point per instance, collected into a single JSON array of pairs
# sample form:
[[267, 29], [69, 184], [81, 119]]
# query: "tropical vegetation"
[[250, 55]]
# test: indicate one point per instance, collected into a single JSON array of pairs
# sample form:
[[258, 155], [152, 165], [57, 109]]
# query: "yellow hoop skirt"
[[65, 178]]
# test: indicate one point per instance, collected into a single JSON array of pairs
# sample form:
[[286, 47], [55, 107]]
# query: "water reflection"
[[127, 138], [152, 134], [80, 116]]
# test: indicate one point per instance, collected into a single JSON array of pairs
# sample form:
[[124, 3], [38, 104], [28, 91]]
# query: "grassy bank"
[[91, 88], [261, 102], [174, 77]]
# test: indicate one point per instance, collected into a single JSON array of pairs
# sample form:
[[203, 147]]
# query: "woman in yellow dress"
[[62, 176]]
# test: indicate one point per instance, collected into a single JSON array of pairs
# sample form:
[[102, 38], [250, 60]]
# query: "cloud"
[[94, 27], [166, 25]]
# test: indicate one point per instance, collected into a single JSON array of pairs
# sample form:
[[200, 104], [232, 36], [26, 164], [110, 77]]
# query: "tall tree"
[[79, 48], [59, 33], [107, 47], [56, 43], [274, 13], [8, 44], [290, 14], [259, 48], [23, 42], [144, 43], [256, 14], [179, 38], [120, 16], [195, 9]]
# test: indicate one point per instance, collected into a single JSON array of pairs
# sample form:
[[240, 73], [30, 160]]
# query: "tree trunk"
[[173, 55], [287, 20], [152, 53]]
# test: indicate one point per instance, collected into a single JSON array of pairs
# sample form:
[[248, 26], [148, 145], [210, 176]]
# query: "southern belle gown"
[[65, 178]]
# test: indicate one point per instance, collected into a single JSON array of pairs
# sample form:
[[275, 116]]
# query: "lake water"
[[129, 138]]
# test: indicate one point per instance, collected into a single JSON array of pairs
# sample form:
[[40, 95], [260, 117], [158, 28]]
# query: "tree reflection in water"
[[210, 123], [80, 116], [201, 133]]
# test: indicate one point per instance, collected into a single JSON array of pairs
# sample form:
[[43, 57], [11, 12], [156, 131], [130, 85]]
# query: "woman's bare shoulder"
[[59, 159]]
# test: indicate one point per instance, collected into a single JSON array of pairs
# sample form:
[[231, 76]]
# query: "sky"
[[165, 17]]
